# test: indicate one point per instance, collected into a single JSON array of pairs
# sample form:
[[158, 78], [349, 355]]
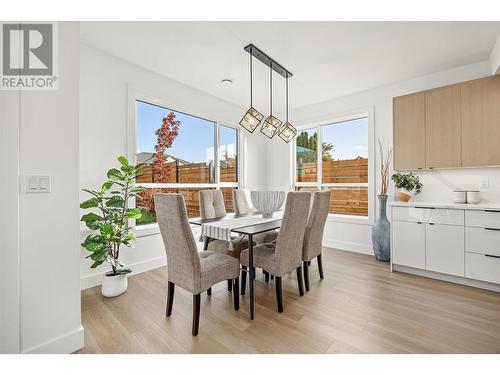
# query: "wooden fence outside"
[[192, 173], [350, 200], [335, 171]]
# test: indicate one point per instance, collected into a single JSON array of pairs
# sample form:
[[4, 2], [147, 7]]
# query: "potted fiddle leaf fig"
[[108, 221]]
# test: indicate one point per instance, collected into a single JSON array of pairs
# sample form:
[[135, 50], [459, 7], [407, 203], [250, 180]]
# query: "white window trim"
[[135, 93], [335, 118]]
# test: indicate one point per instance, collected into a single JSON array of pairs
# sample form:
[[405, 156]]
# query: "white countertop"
[[449, 205]]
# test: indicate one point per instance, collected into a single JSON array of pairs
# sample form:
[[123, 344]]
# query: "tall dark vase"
[[380, 232]]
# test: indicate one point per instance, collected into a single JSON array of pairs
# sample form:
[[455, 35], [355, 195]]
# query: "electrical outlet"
[[484, 183]]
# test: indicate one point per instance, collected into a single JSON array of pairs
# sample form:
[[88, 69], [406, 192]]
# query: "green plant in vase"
[[108, 221], [409, 184]]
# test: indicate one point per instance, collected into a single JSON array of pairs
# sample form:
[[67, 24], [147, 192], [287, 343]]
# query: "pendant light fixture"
[[272, 124], [287, 132], [252, 118]]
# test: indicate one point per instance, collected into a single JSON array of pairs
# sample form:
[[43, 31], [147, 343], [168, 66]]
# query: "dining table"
[[248, 225]]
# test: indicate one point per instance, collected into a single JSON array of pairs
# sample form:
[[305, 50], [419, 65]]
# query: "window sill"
[[349, 219], [147, 230], [151, 230]]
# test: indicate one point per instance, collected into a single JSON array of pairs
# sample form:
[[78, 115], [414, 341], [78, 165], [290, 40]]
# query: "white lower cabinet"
[[409, 243], [455, 242], [444, 249]]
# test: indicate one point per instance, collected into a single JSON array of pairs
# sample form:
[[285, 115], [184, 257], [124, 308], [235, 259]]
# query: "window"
[[340, 164], [180, 153]]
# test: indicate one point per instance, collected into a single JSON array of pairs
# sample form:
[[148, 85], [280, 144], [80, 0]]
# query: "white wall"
[[48, 303], [104, 85], [437, 184], [9, 222]]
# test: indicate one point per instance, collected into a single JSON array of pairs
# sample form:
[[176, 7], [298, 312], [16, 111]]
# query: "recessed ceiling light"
[[226, 81]]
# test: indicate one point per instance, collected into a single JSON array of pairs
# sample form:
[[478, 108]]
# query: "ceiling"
[[327, 59]]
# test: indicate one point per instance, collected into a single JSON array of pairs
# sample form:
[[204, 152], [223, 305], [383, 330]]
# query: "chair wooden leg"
[[306, 275], [320, 266], [170, 297], [209, 291], [243, 279], [272, 277], [236, 293], [230, 285], [266, 276], [196, 314], [299, 281], [279, 296]]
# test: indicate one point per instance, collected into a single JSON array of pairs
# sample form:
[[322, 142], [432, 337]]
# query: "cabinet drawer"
[[408, 244], [482, 241], [481, 267], [483, 219], [428, 215], [444, 216], [412, 214]]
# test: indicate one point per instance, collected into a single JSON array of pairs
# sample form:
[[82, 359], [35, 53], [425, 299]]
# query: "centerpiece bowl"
[[267, 202]]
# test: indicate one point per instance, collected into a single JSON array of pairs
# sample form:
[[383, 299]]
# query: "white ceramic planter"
[[113, 286], [267, 202]]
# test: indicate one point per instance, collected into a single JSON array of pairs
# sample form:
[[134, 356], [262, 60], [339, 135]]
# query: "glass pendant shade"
[[270, 126], [287, 132], [251, 119]]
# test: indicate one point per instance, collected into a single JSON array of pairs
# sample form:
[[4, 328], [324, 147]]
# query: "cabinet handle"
[[491, 256], [429, 208], [498, 229], [431, 223], [419, 222], [431, 167], [492, 211]]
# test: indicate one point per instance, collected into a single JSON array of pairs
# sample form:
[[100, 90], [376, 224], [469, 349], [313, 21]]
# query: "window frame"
[[136, 94], [333, 119]]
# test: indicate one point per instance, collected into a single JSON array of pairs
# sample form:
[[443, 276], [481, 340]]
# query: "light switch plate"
[[484, 183], [37, 184]]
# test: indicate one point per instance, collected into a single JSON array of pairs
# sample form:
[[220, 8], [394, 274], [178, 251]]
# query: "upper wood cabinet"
[[449, 127], [442, 128], [480, 111], [409, 131]]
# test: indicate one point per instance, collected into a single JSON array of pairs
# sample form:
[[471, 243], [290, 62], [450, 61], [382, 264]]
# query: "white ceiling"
[[328, 59]]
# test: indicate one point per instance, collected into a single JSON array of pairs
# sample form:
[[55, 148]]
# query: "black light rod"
[[264, 58]]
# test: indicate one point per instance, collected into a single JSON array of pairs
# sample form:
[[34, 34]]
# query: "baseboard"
[[449, 278], [348, 246], [91, 281], [65, 344]]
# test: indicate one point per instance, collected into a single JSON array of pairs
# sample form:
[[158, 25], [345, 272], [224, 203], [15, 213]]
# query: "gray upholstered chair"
[[188, 269], [212, 207], [313, 237], [284, 255], [240, 202]]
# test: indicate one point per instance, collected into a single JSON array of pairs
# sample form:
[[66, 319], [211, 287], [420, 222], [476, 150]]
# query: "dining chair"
[[212, 207], [285, 254], [188, 269], [240, 202], [313, 237]]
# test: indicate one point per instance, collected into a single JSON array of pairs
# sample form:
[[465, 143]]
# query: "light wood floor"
[[360, 307]]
